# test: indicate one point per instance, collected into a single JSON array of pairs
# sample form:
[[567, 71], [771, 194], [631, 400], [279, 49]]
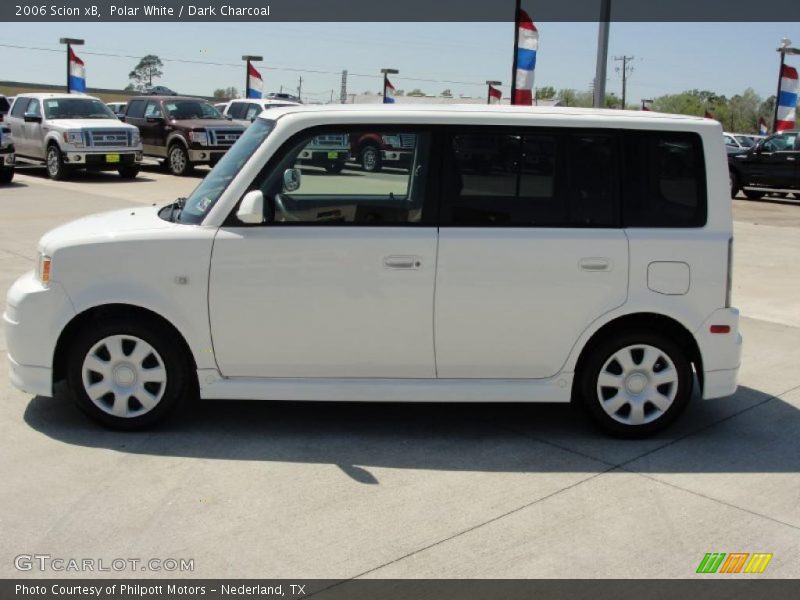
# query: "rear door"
[[33, 136], [530, 249]]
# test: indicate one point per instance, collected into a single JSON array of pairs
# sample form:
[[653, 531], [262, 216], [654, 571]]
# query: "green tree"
[[149, 68], [447, 93], [228, 92], [546, 92], [416, 92]]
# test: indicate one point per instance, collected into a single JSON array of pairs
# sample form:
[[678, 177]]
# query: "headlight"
[[135, 138], [199, 137], [43, 268], [74, 137]]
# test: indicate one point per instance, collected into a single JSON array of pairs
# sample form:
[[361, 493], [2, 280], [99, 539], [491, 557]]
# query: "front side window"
[[530, 179], [236, 109], [312, 182], [152, 109], [34, 108], [253, 110], [206, 195], [19, 108], [780, 143], [76, 108]]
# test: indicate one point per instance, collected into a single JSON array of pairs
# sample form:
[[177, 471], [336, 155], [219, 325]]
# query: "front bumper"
[[721, 353], [34, 318], [107, 159], [207, 154]]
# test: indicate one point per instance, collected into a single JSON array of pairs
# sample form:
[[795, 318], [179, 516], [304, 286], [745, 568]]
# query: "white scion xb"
[[523, 255]]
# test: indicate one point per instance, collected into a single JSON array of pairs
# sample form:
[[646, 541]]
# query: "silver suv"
[[70, 131]]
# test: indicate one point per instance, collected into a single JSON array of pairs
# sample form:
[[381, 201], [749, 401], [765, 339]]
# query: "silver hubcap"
[[177, 160], [124, 376], [370, 158], [637, 384], [52, 161]]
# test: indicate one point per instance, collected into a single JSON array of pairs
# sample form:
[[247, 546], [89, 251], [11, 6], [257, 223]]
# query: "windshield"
[[191, 109], [76, 108], [210, 189]]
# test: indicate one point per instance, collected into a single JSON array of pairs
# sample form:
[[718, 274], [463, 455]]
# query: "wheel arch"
[[176, 137], [647, 321], [107, 311]]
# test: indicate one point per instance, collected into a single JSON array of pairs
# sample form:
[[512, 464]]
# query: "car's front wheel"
[[371, 159], [6, 175], [56, 169], [127, 374], [128, 172], [636, 384], [178, 160]]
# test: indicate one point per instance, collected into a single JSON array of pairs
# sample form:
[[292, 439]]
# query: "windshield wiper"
[[178, 204]]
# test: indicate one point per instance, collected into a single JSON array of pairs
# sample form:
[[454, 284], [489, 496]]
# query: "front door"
[[153, 129], [530, 249], [32, 137], [337, 282], [775, 164]]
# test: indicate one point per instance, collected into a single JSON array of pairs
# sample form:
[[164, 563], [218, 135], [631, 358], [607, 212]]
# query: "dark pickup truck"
[[181, 130], [772, 166]]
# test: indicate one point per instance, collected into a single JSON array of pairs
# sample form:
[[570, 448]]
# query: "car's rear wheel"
[[127, 374], [6, 175], [636, 384], [178, 159], [734, 183], [56, 169]]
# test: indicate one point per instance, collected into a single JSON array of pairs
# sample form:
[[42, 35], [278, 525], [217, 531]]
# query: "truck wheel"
[[371, 159], [178, 159], [334, 167], [6, 175], [734, 181], [635, 384], [128, 172], [55, 163], [127, 373], [753, 195]]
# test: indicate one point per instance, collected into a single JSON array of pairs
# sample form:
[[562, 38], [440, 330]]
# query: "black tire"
[[178, 160], [735, 185], [370, 159], [6, 175], [601, 359], [753, 195], [334, 168], [54, 163], [169, 353], [128, 172]]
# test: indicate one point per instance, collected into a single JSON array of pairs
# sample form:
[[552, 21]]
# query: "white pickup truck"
[[69, 131]]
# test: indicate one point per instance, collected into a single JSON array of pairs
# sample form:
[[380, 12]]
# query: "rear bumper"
[[721, 353]]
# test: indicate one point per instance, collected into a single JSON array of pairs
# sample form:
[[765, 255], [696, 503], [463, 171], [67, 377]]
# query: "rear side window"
[[531, 179], [135, 109], [665, 180], [20, 104], [236, 109]]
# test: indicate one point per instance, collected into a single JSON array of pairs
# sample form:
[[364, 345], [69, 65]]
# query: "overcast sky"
[[669, 57]]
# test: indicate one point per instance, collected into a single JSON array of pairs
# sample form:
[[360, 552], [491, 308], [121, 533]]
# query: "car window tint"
[[330, 191], [253, 110], [236, 109], [152, 109], [19, 108], [34, 108], [135, 109]]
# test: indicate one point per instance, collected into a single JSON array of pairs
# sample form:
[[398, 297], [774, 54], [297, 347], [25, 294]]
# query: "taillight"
[[729, 282]]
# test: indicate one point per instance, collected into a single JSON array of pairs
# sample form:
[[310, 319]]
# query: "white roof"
[[47, 95]]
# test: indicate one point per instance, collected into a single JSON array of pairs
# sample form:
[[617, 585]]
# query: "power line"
[[265, 67]]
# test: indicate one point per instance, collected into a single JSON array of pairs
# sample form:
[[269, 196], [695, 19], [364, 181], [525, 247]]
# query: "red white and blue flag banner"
[[388, 92], [494, 95], [255, 83], [787, 99], [527, 46], [77, 73]]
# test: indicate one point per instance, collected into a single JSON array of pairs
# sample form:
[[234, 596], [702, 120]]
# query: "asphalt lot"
[[348, 490]]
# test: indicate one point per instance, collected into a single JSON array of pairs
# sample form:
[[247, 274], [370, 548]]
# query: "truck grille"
[[108, 138], [223, 137]]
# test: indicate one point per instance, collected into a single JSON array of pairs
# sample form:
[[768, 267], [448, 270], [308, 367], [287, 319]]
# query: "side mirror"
[[33, 118], [251, 209], [291, 180]]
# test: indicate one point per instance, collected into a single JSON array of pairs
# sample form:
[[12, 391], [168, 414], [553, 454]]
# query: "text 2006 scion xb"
[[586, 256]]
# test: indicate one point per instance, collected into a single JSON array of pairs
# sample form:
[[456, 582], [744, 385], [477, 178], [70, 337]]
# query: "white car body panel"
[[312, 313]]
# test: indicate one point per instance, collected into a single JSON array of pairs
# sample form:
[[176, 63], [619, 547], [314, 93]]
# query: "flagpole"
[[386, 73], [517, 9], [248, 58]]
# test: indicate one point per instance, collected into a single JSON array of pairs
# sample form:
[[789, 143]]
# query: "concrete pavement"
[[347, 490]]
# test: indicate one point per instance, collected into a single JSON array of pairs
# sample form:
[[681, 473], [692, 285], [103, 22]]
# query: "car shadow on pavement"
[[84, 176], [749, 432]]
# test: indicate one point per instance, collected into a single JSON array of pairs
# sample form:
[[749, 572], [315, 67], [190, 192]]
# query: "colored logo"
[[734, 562]]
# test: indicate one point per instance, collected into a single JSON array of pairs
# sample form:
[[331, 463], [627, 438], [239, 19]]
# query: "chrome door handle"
[[402, 262], [595, 264]]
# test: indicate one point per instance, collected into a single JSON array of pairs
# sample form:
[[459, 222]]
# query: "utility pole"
[[599, 91], [343, 91], [626, 71], [300, 89]]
